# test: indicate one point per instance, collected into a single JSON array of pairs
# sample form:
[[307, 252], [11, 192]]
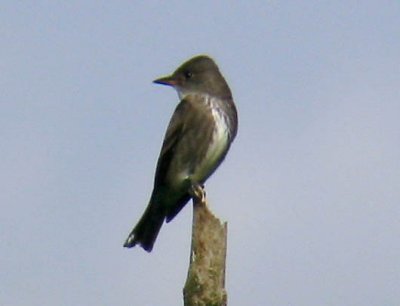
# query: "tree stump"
[[205, 283]]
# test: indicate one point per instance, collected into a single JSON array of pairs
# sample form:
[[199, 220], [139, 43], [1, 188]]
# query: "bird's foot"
[[198, 193]]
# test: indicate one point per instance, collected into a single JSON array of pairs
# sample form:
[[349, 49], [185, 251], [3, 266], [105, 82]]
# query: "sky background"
[[310, 187]]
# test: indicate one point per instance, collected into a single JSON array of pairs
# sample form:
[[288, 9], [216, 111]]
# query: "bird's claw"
[[198, 193]]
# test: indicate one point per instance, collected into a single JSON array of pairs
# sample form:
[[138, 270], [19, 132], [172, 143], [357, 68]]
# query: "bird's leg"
[[198, 193]]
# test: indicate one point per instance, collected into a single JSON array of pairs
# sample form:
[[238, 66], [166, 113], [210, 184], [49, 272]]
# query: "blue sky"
[[310, 188]]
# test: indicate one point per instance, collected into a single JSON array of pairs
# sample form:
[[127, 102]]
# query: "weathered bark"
[[205, 283]]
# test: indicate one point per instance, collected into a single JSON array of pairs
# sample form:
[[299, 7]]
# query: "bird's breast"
[[217, 145], [204, 142]]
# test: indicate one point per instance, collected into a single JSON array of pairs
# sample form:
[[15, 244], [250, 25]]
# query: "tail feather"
[[175, 209], [146, 231]]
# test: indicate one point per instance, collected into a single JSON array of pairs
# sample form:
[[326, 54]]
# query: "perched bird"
[[198, 137]]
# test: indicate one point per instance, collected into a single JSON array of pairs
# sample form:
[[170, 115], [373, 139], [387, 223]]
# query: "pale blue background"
[[311, 187]]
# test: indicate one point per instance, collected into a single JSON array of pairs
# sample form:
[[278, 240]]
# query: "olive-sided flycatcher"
[[198, 137]]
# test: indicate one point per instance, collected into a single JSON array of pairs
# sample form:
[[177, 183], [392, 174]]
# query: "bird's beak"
[[168, 80]]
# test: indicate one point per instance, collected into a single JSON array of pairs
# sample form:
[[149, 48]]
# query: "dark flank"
[[197, 140]]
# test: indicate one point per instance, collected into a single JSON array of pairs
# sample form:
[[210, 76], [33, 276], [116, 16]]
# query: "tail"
[[146, 231]]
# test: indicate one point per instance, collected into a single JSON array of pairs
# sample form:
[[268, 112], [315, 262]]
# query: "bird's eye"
[[188, 74]]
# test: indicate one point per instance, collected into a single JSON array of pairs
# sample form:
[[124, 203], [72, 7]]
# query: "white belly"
[[216, 149]]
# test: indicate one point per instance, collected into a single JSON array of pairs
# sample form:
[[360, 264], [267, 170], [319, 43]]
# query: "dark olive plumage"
[[198, 137]]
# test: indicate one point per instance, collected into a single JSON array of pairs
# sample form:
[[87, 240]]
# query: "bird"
[[199, 135]]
